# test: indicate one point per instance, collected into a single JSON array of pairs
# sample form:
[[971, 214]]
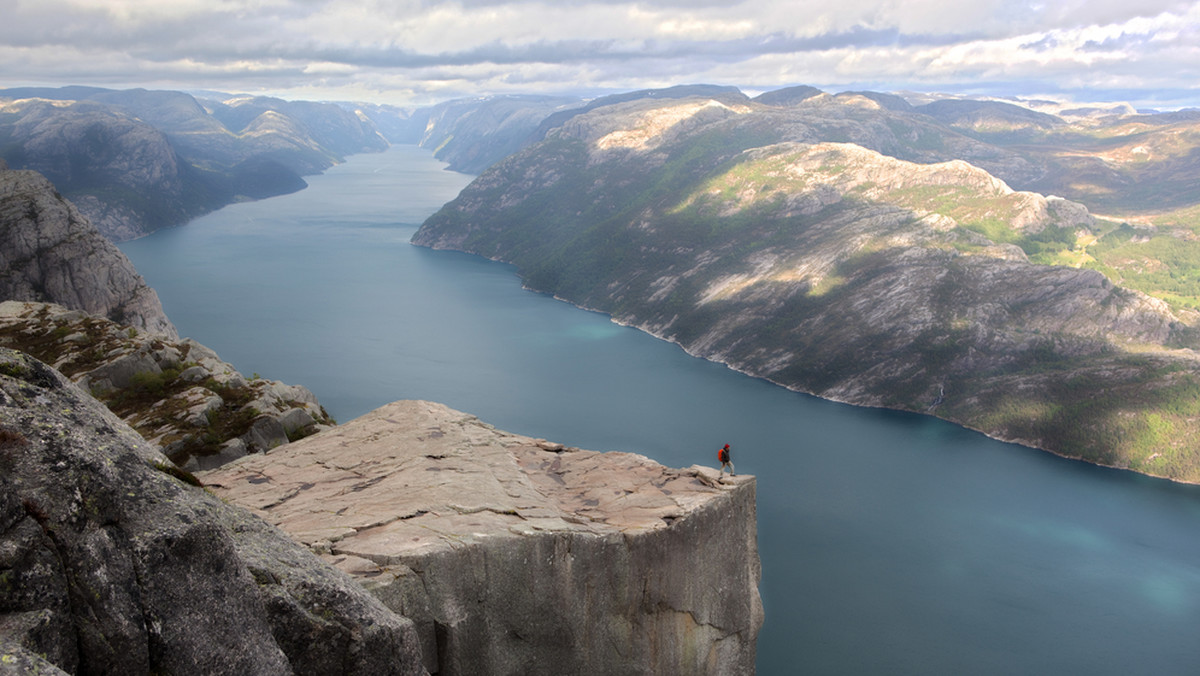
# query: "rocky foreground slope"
[[177, 393], [511, 555], [50, 252], [869, 272], [519, 556], [110, 564]]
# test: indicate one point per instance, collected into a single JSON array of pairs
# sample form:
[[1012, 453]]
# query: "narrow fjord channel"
[[890, 543]]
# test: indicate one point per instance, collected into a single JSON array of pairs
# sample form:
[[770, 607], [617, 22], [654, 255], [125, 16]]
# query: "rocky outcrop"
[[111, 564], [844, 271], [519, 556], [177, 393], [50, 252]]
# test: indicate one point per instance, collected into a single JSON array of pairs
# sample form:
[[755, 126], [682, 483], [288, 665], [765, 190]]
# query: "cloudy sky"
[[421, 51]]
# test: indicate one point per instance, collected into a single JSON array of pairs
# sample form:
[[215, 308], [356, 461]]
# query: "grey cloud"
[[650, 4], [1121, 43], [1045, 44], [569, 51], [221, 40]]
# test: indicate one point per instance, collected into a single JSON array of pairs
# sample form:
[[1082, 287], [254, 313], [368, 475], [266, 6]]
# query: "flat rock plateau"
[[518, 555]]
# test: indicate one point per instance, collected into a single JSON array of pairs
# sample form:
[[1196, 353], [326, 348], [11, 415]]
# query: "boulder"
[[265, 433], [177, 394]]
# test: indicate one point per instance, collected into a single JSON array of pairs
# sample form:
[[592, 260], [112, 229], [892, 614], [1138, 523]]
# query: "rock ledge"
[[517, 555]]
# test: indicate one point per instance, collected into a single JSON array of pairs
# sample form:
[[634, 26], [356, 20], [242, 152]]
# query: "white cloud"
[[421, 49]]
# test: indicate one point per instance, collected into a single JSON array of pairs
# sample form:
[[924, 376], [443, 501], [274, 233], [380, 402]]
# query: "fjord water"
[[890, 543]]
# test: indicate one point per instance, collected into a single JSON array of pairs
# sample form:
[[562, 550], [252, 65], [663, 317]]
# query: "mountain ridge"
[[138, 160], [834, 269]]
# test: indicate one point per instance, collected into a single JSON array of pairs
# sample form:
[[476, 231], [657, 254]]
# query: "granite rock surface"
[[178, 394], [50, 252], [520, 556], [111, 562]]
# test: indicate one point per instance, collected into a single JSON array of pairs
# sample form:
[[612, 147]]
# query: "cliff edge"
[[111, 563], [519, 556]]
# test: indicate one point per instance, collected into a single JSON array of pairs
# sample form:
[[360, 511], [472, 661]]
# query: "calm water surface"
[[891, 543]]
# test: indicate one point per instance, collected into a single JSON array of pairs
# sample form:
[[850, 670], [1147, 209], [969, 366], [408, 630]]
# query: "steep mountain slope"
[[113, 565], [50, 252], [305, 136], [871, 272], [1138, 170], [472, 134], [121, 172], [135, 161], [116, 341]]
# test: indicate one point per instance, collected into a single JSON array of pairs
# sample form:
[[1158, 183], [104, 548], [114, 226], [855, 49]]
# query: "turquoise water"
[[891, 543]]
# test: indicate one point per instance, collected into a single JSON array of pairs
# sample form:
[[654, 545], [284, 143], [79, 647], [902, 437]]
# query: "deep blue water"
[[891, 543]]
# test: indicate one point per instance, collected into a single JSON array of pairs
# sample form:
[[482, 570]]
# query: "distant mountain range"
[[135, 161]]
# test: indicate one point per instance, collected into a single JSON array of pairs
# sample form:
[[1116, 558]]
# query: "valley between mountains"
[[1031, 271]]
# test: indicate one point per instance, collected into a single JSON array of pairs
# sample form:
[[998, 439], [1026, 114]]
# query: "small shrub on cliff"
[[14, 370], [301, 432], [153, 384]]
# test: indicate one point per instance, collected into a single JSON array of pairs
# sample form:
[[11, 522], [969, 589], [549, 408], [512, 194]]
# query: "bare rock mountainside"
[[472, 134], [50, 252], [849, 247], [519, 556], [177, 393], [110, 564], [135, 160]]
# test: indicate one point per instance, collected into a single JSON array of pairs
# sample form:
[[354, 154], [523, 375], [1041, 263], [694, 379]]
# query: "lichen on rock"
[[50, 252], [111, 564]]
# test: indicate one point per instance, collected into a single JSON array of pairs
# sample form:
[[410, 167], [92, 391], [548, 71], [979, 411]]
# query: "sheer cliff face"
[[844, 269], [519, 556], [470, 135], [50, 252], [114, 565]]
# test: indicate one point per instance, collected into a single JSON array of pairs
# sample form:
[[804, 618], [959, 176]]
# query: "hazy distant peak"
[[787, 96]]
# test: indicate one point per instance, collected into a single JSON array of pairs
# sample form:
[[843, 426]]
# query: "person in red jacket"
[[724, 456]]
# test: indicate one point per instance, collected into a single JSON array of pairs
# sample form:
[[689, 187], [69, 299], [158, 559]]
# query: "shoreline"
[[1015, 441]]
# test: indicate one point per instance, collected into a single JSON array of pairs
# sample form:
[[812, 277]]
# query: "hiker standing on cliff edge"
[[724, 456]]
